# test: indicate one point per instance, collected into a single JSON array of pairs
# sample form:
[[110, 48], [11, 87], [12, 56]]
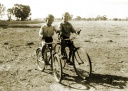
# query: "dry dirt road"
[[105, 42]]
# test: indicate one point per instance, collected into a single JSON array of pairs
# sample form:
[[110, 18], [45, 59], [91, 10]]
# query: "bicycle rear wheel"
[[82, 63], [40, 60], [57, 68]]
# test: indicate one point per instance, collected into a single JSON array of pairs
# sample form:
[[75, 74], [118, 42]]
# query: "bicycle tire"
[[57, 50], [51, 61], [82, 64], [40, 60], [57, 68]]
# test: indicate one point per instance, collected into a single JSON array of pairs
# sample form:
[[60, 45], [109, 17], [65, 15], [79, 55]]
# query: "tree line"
[[23, 12]]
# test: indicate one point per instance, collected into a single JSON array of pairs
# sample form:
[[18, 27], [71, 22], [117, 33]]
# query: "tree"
[[10, 13], [115, 19], [22, 12], [98, 17], [104, 17], [2, 9], [78, 18]]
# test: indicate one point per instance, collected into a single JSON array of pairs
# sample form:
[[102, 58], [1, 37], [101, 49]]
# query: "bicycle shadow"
[[111, 81]]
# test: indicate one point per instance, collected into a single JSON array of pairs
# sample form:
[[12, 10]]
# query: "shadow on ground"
[[111, 81]]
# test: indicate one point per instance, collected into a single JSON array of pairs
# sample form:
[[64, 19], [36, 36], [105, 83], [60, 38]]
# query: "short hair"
[[49, 16], [66, 13]]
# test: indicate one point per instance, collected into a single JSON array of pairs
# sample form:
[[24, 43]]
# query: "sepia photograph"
[[63, 45]]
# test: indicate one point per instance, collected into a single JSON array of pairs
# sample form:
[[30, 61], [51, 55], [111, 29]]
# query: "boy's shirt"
[[47, 31], [66, 29]]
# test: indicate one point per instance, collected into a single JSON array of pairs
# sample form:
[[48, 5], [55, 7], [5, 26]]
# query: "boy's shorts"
[[66, 42], [47, 39]]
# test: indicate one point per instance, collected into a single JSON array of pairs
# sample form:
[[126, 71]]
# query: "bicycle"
[[40, 58], [80, 60], [51, 57]]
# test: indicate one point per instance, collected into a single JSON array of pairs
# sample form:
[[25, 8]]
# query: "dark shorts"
[[66, 42], [48, 39]]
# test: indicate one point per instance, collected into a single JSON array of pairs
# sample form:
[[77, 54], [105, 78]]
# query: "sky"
[[83, 8]]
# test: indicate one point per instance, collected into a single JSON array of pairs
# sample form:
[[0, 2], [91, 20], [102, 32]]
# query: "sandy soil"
[[105, 42]]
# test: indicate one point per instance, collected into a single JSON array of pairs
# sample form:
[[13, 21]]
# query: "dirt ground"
[[105, 41]]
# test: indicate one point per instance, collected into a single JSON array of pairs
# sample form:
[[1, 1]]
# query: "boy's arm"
[[74, 31], [58, 29], [41, 32]]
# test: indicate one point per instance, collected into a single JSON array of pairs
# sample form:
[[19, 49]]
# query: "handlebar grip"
[[79, 32]]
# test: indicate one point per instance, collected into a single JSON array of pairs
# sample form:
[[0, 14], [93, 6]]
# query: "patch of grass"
[[20, 24], [23, 26], [3, 24]]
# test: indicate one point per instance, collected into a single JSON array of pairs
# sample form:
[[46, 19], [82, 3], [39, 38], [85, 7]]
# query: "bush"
[[3, 24]]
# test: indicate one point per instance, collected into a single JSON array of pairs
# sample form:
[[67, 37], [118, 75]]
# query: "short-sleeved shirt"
[[47, 31], [66, 29]]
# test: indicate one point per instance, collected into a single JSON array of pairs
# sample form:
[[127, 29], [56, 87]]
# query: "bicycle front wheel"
[[82, 63], [40, 60], [57, 50], [57, 68]]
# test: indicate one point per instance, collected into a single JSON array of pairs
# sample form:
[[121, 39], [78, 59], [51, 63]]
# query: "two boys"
[[65, 28]]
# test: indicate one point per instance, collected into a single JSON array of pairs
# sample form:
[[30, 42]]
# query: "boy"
[[66, 29], [46, 32]]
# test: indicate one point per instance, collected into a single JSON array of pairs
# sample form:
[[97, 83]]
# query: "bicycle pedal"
[[47, 63], [70, 63], [63, 57]]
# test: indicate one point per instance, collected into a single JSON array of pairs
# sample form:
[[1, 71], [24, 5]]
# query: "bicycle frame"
[[76, 57], [73, 48], [49, 49]]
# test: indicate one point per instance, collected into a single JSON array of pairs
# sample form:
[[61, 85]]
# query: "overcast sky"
[[83, 8]]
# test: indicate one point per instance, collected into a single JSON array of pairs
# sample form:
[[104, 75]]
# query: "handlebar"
[[70, 38], [46, 43], [59, 35]]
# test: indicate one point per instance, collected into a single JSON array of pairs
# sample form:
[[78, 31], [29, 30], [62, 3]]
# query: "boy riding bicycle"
[[46, 32], [66, 29]]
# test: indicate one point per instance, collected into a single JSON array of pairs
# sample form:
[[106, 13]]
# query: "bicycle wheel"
[[82, 63], [40, 60], [57, 68], [57, 50]]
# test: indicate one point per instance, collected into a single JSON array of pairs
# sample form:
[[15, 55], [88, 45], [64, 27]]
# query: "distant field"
[[7, 24], [20, 22]]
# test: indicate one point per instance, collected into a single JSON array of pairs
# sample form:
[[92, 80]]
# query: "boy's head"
[[66, 16], [49, 19]]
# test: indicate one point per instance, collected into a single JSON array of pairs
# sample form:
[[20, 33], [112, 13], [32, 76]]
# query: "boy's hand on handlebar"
[[43, 37], [78, 32], [57, 32]]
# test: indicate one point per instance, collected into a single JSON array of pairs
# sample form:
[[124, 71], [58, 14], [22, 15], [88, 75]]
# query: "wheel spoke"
[[40, 61], [82, 63], [57, 68]]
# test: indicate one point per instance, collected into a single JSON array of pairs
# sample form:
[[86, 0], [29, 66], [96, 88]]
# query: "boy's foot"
[[63, 57], [47, 63], [69, 63]]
